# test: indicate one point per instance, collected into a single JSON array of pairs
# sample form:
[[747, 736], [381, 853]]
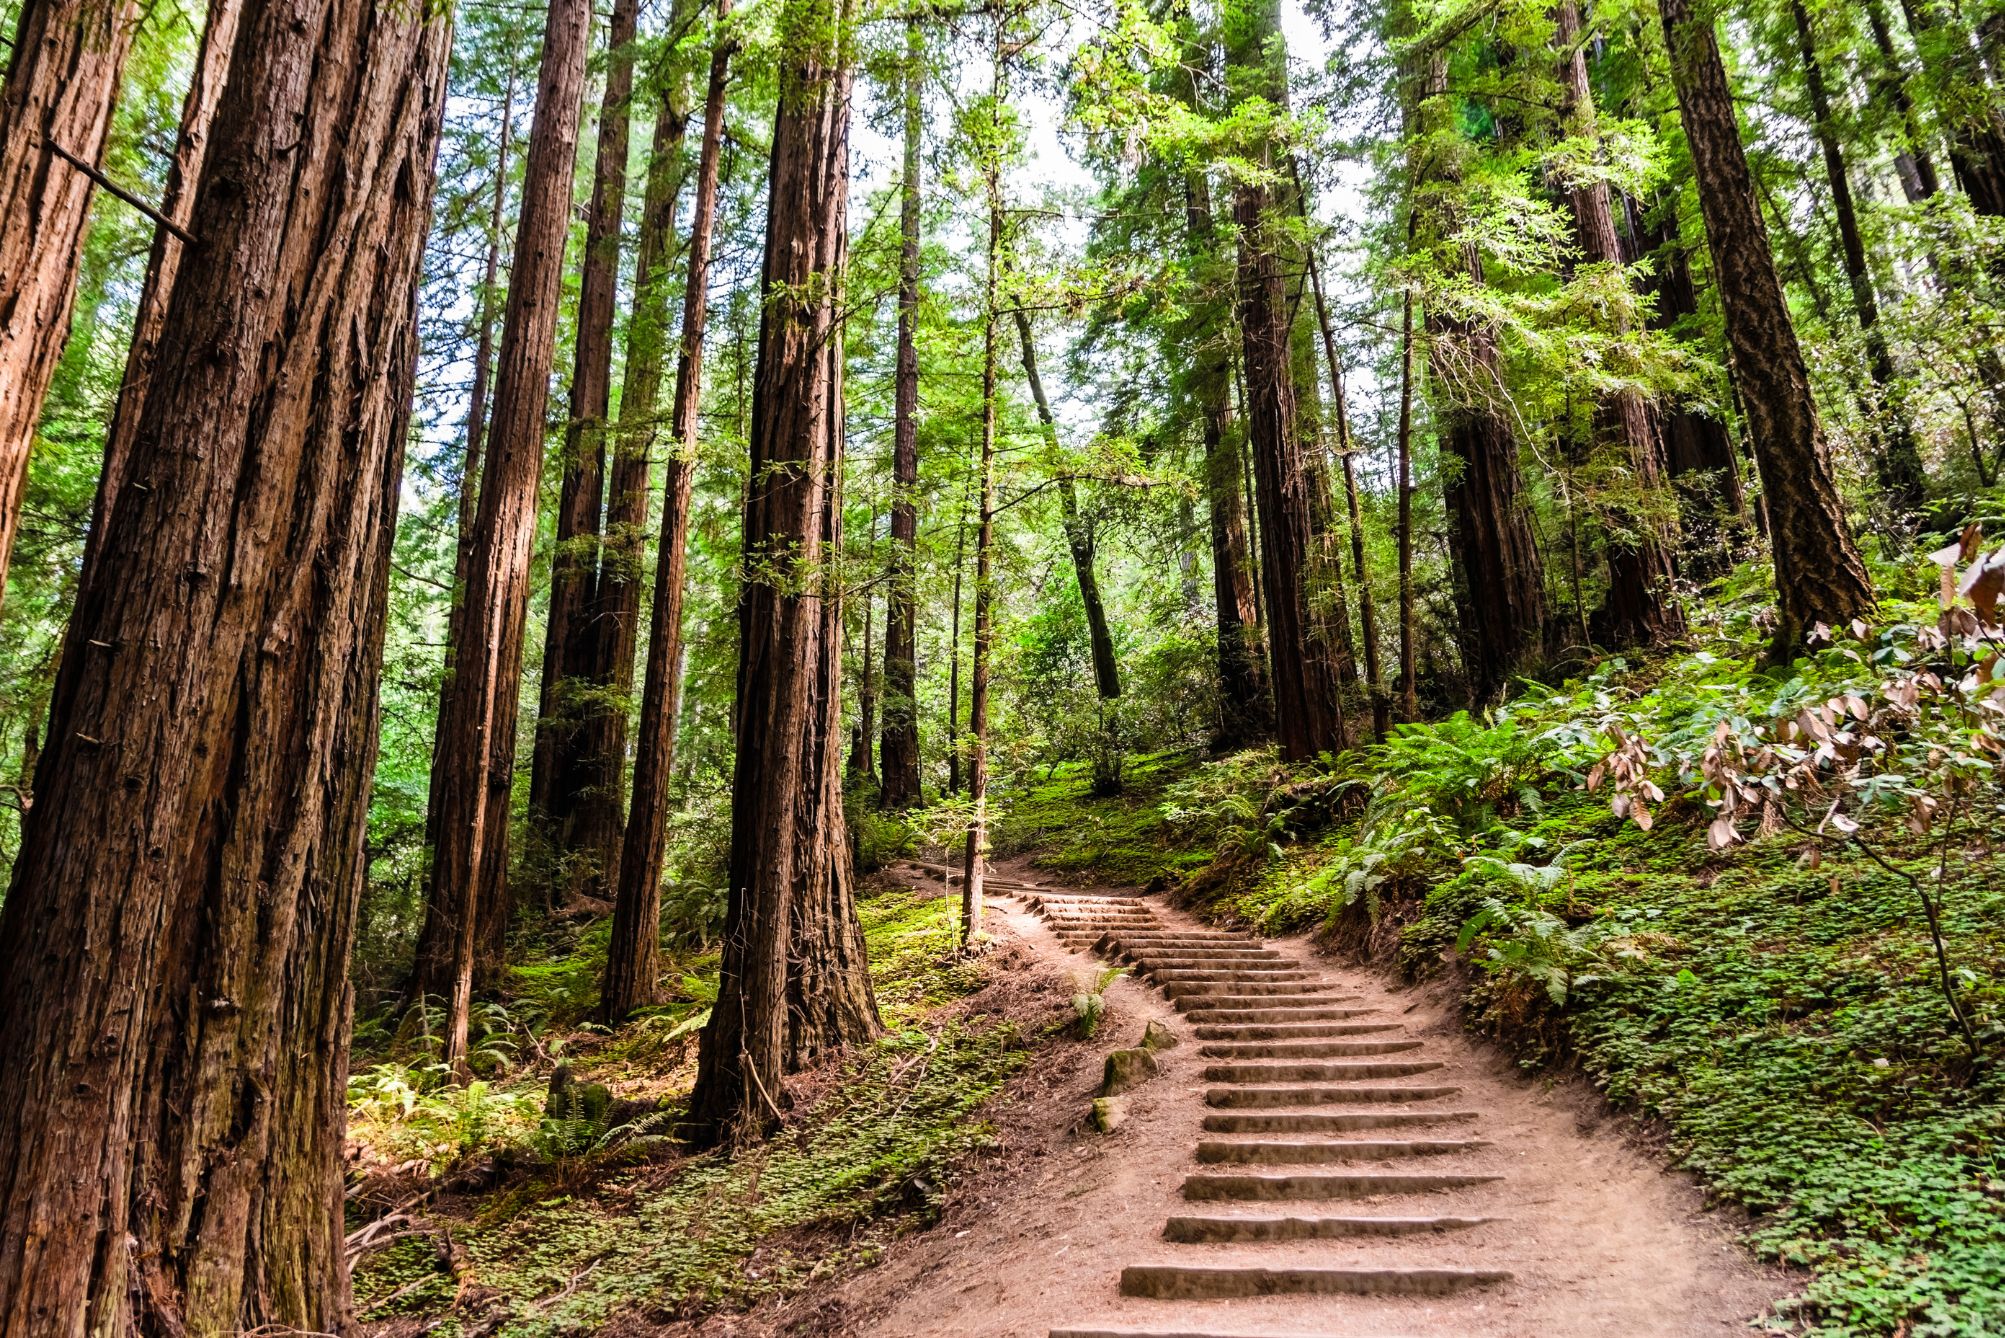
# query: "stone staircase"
[[1322, 1126]]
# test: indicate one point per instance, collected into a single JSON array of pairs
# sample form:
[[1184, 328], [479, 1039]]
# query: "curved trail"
[[1319, 1156]]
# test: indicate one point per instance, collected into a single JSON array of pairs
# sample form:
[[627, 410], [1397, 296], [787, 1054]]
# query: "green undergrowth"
[[568, 1244], [1120, 838], [1775, 1003]]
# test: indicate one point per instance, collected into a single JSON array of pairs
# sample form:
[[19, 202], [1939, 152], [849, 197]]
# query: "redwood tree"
[[57, 102], [467, 826], [572, 800], [633, 957], [1642, 608], [898, 749], [793, 985], [1303, 664], [198, 111], [1819, 576], [174, 947]]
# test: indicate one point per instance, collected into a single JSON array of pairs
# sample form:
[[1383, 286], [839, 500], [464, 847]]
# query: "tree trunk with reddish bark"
[[1499, 574], [1642, 608], [1302, 664], [60, 92], [163, 262], [1896, 457], [898, 750], [574, 798], [1819, 576], [793, 986], [175, 992], [467, 828], [633, 958]]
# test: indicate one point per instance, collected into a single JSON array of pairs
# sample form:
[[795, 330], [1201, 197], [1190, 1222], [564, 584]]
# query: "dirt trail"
[[1320, 1155]]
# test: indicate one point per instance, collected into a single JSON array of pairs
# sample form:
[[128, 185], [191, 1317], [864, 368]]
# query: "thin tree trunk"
[[1896, 459], [1367, 605], [954, 662], [1308, 711], [1642, 608], [793, 984], [633, 965], [468, 827], [175, 1001], [60, 92], [1409, 685], [177, 203], [1078, 532], [574, 796], [1913, 162], [898, 750], [975, 857], [864, 736], [1974, 124], [1243, 709], [436, 942], [1819, 576]]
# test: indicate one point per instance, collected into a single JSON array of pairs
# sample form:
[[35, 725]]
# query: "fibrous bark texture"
[[898, 750], [198, 111], [574, 796], [632, 959], [793, 985], [467, 828], [1303, 664], [1499, 575], [61, 88], [1819, 576], [1642, 608], [174, 1001]]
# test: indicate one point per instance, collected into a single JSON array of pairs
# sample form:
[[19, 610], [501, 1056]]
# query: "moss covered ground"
[[566, 1230]]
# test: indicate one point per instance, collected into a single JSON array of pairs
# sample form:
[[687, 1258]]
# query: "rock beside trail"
[[1109, 1113], [1127, 1069], [1158, 1036]]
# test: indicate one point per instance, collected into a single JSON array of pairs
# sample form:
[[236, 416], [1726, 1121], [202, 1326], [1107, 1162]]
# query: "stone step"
[[1185, 1282], [1195, 1001], [1288, 1031], [1217, 1016], [1235, 1230], [1217, 1152], [1193, 957], [1271, 1073], [1249, 1187], [1328, 1122], [1241, 1098], [1261, 976], [1170, 936], [1258, 990], [1303, 1049]]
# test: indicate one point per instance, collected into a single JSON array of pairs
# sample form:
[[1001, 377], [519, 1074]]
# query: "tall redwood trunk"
[[633, 957], [1078, 531], [1367, 602], [1409, 676], [898, 750], [1642, 608], [467, 828], [60, 91], [574, 798], [1302, 662], [1242, 689], [1499, 575], [974, 857], [793, 984], [1896, 458], [1819, 576], [177, 202], [863, 739], [174, 993]]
